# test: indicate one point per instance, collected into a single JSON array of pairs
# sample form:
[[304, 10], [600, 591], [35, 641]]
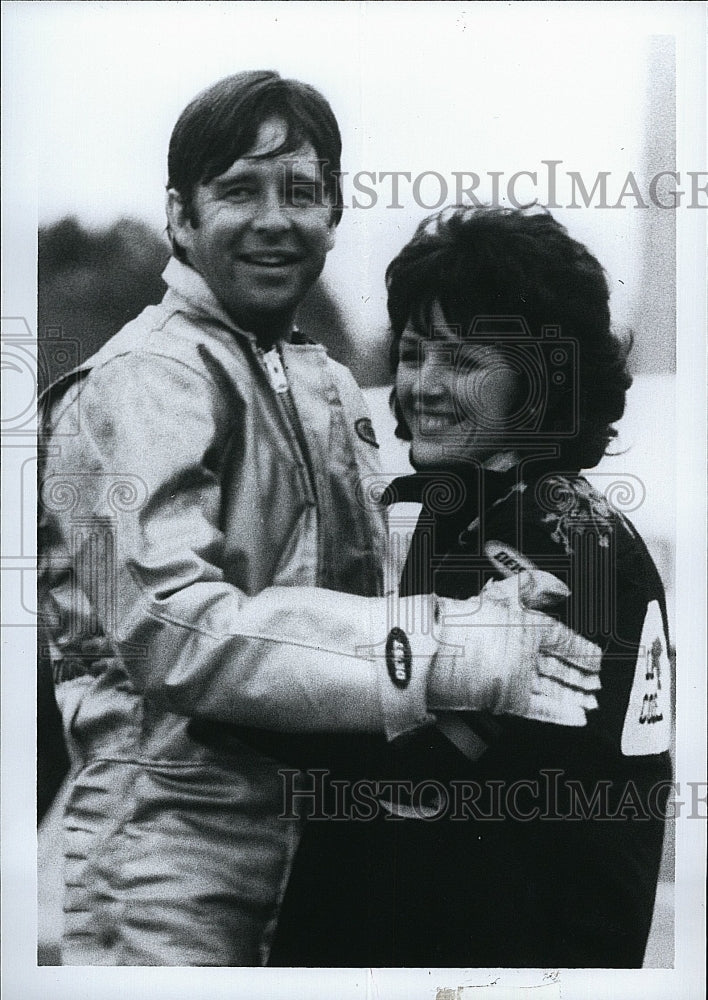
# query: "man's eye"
[[240, 193], [304, 194]]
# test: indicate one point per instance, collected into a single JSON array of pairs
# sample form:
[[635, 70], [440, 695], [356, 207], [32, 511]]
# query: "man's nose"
[[271, 213]]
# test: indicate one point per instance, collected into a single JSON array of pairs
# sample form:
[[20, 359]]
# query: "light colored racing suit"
[[204, 514]]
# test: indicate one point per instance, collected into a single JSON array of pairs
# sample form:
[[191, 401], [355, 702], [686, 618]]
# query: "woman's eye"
[[470, 360], [409, 356]]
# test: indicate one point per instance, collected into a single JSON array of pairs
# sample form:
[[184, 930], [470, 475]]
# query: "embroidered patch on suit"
[[365, 430], [648, 720]]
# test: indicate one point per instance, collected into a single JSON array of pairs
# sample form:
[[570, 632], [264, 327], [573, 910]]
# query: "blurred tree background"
[[91, 282]]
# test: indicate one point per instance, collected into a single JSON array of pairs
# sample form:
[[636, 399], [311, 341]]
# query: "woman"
[[523, 843]]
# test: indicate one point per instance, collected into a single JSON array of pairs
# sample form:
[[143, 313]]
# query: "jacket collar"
[[429, 488], [188, 285]]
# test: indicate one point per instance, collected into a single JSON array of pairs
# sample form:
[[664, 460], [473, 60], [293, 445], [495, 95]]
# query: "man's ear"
[[178, 219], [332, 235]]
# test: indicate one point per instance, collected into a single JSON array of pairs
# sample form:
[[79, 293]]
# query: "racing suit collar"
[[183, 281], [420, 487]]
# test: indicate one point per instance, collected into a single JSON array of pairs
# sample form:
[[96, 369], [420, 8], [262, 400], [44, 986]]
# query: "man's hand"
[[498, 655]]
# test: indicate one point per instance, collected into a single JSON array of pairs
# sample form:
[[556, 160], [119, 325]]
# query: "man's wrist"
[[403, 661]]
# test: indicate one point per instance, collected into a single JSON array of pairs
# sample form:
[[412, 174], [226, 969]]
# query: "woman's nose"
[[432, 375]]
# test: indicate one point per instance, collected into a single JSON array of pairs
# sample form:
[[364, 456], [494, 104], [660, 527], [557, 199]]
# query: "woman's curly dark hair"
[[499, 262]]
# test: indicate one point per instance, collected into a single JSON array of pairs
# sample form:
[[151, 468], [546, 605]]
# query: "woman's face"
[[458, 397]]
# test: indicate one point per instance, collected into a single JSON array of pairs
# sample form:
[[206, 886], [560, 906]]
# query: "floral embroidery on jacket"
[[573, 506]]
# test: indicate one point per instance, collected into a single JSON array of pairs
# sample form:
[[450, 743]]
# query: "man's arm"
[[288, 658]]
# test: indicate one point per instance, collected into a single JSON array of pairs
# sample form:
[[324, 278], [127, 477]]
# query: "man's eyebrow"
[[249, 173], [294, 171], [239, 176]]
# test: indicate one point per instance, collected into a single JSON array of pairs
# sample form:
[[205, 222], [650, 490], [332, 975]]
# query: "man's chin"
[[269, 322]]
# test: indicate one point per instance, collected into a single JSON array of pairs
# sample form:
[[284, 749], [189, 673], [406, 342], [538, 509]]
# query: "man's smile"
[[270, 258]]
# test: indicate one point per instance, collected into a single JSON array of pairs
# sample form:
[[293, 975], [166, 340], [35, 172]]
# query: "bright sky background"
[[416, 86], [95, 89]]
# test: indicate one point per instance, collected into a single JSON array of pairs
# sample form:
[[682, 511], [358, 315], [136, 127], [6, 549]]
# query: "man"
[[201, 524]]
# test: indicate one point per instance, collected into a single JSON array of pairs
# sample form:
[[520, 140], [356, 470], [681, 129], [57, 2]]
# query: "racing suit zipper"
[[272, 364]]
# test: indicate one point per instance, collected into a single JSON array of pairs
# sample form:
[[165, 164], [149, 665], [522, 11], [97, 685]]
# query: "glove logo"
[[505, 559], [398, 657]]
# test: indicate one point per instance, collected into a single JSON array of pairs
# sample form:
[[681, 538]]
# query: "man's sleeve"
[[142, 563]]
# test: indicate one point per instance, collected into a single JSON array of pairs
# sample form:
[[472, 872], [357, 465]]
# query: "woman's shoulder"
[[566, 506], [558, 512]]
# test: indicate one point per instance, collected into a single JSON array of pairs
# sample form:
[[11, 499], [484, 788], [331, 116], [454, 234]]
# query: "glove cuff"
[[403, 658]]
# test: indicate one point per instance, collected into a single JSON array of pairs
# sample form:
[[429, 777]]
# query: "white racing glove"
[[498, 655]]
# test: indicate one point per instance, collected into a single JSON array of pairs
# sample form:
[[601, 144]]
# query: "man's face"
[[458, 397], [260, 232]]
